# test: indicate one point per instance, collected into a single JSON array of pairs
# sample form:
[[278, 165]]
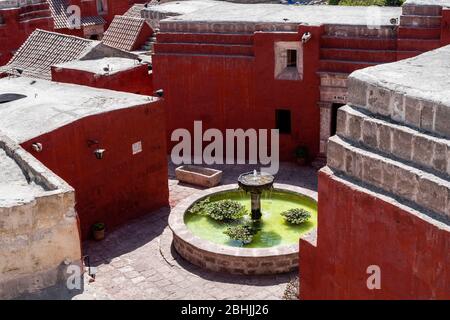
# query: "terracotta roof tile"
[[123, 32], [60, 16]]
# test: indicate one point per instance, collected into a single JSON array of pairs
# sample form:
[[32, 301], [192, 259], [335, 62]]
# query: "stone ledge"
[[395, 140], [394, 91], [401, 180]]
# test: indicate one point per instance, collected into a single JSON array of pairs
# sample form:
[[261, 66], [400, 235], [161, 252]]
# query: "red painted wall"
[[14, 32], [136, 80], [357, 229], [445, 27], [121, 186], [229, 92]]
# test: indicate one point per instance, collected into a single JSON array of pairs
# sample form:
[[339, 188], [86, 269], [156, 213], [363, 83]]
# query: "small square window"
[[283, 120], [291, 58]]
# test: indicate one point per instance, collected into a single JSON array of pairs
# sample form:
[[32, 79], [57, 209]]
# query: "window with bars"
[[291, 58]]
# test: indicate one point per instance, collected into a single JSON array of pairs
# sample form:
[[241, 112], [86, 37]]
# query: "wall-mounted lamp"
[[306, 37], [37, 146], [99, 153]]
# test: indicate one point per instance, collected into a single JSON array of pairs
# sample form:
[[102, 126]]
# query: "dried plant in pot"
[[301, 155], [98, 231]]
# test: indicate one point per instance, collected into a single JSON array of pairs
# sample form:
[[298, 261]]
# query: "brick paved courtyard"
[[137, 261]]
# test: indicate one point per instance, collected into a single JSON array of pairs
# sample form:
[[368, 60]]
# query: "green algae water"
[[274, 229]]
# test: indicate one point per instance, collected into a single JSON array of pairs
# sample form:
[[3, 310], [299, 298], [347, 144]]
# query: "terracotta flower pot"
[[99, 234], [301, 161], [98, 231]]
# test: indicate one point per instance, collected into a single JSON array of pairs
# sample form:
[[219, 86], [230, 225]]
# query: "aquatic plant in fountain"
[[296, 215]]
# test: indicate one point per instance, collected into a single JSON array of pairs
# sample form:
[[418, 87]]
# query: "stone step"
[[396, 141], [212, 38], [207, 49], [34, 7], [45, 13], [333, 79], [359, 31], [417, 44], [358, 43], [343, 65], [420, 21], [419, 33], [422, 114], [421, 10], [358, 55], [398, 179]]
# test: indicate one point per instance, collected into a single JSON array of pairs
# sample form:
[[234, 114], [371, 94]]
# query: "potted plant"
[[98, 231], [301, 155]]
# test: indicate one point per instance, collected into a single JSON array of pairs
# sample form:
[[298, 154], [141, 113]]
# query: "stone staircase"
[[394, 143], [148, 45], [237, 45], [419, 30], [34, 10], [345, 49]]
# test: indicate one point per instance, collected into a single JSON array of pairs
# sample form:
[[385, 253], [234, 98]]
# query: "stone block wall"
[[39, 237], [384, 196]]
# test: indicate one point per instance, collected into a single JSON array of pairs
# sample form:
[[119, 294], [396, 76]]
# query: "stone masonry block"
[[440, 154], [357, 92], [448, 161], [385, 138], [427, 116], [432, 194], [406, 183], [369, 133], [379, 100], [422, 150], [442, 120], [401, 144], [388, 170], [342, 123], [354, 128], [372, 171], [413, 110], [353, 164], [397, 106], [335, 155]]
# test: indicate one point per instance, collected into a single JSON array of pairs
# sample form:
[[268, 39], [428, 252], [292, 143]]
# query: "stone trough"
[[204, 177]]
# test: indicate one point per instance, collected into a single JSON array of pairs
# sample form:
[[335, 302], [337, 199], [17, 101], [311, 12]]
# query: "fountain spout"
[[255, 183]]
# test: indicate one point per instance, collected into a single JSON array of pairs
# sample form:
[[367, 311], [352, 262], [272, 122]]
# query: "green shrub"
[[243, 233], [296, 216]]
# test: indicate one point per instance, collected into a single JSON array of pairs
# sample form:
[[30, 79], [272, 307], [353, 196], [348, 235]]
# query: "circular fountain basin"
[[200, 239]]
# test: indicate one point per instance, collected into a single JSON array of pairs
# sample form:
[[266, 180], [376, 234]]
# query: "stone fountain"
[[255, 183]]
